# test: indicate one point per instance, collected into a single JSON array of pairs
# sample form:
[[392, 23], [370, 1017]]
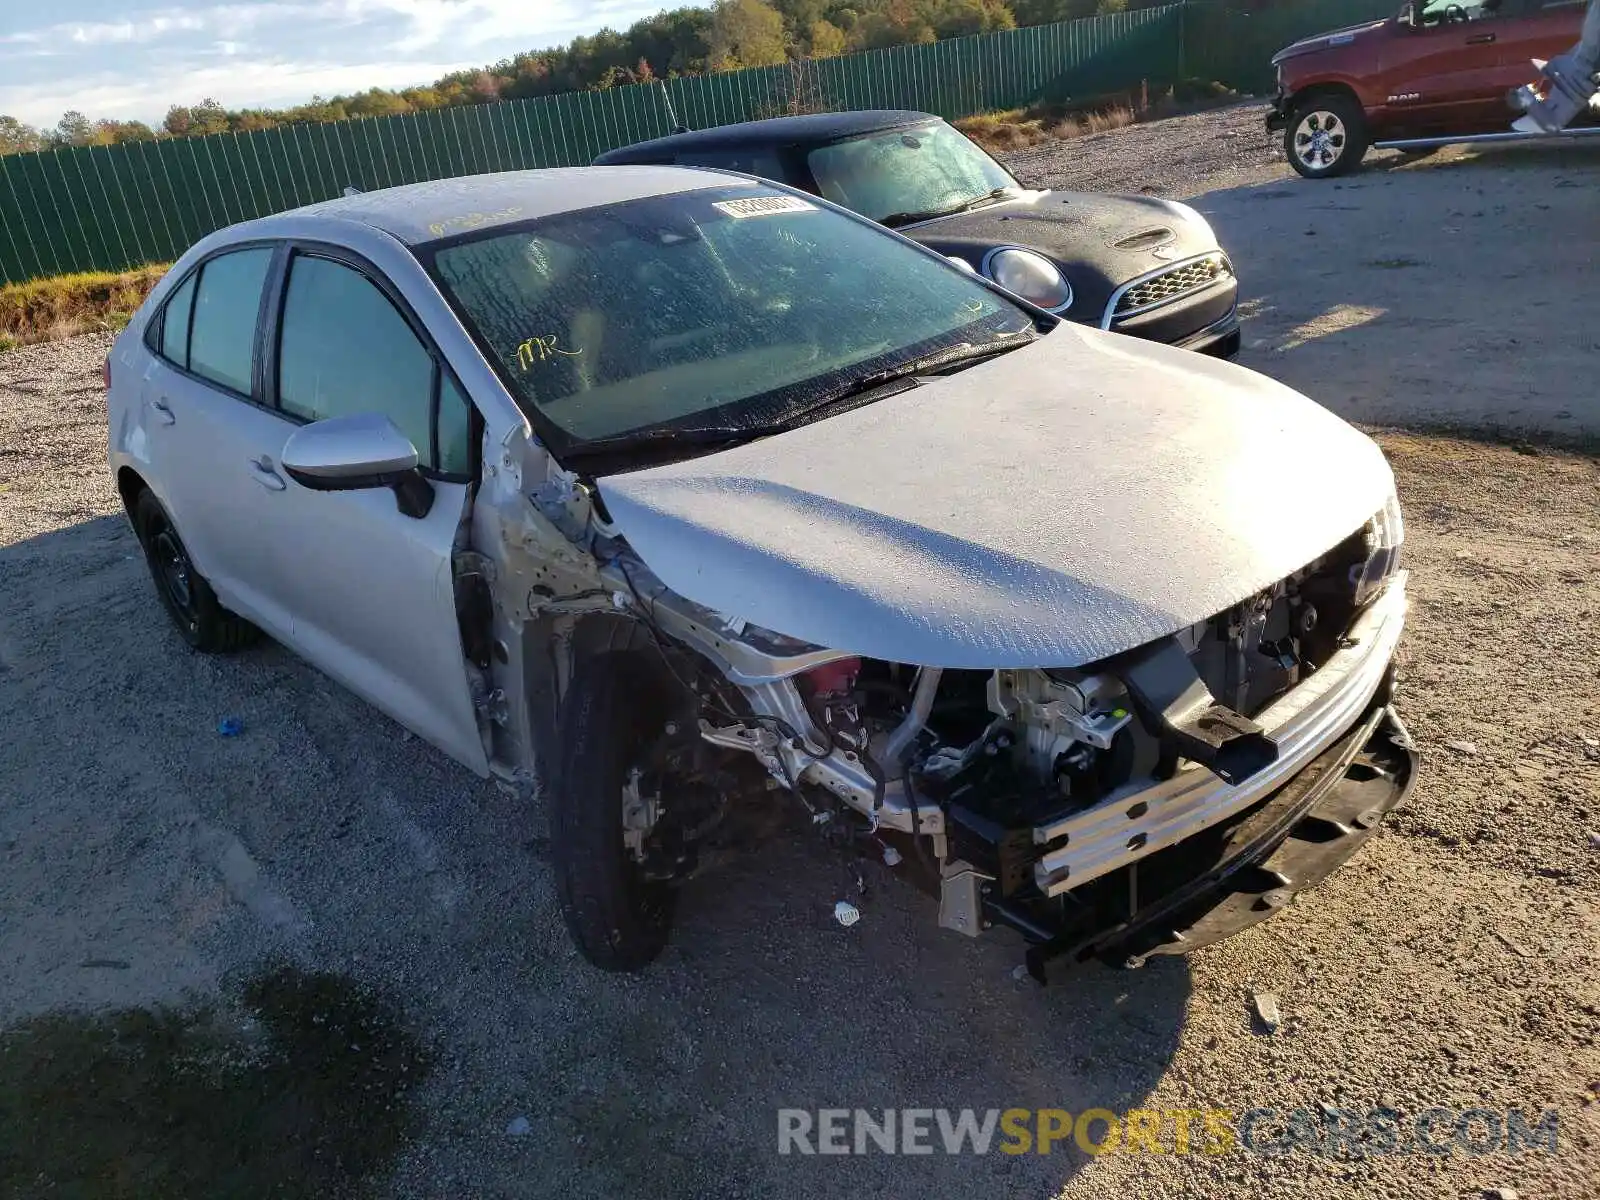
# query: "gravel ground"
[[1455, 962], [1183, 156]]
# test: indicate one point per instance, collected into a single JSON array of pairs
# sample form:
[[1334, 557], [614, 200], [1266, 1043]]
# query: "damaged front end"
[[1149, 803]]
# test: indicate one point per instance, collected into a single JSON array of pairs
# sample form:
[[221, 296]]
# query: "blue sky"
[[134, 58]]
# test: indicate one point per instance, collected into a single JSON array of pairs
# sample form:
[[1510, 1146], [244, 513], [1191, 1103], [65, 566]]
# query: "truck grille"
[[1173, 283]]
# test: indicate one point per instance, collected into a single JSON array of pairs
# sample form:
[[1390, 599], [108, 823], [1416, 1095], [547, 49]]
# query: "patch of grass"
[[305, 1097], [1019, 128], [43, 310]]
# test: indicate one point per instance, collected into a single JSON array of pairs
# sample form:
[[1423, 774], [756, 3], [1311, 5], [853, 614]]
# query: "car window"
[[455, 429], [175, 324], [926, 170], [725, 306], [1454, 12], [344, 349], [227, 302]]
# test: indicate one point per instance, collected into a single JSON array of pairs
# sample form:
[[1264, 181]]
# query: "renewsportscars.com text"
[[1324, 1131]]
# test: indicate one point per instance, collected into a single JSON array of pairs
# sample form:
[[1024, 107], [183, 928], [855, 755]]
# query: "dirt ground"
[[1450, 291], [147, 860]]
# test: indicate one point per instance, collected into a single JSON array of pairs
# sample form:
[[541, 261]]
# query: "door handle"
[[1480, 39], [164, 410], [264, 473]]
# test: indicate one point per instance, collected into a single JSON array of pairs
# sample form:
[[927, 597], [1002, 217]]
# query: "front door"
[[369, 590], [1542, 29], [1445, 72]]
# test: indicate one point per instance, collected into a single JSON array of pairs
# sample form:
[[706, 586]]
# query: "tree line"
[[727, 36]]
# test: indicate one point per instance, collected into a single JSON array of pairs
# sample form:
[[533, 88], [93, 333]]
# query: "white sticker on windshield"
[[763, 206]]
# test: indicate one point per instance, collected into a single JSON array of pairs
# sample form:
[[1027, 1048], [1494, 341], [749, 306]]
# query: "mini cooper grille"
[[1169, 285]]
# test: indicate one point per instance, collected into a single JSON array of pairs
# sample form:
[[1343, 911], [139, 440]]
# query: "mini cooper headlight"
[[1386, 534], [1032, 276]]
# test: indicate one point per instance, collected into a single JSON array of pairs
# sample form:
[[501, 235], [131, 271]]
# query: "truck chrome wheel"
[[1319, 139]]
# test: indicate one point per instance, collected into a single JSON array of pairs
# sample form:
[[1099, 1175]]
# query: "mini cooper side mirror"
[[346, 454]]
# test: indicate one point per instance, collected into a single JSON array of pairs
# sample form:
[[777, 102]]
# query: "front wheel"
[[1326, 136], [602, 811]]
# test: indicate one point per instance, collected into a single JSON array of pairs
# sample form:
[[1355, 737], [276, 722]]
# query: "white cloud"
[[269, 53], [239, 84]]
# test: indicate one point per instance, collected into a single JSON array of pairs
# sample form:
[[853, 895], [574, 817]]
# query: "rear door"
[[1446, 71], [206, 427], [370, 591]]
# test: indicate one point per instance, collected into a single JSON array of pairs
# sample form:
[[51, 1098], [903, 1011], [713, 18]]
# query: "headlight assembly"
[[1029, 275], [1385, 534]]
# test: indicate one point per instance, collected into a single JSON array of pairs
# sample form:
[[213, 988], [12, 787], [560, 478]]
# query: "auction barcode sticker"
[[763, 206]]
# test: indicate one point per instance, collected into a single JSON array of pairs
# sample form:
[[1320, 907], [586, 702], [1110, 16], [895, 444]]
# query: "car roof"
[[814, 128], [417, 213]]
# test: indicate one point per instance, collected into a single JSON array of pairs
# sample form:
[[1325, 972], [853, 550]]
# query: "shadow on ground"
[[1358, 291], [323, 835]]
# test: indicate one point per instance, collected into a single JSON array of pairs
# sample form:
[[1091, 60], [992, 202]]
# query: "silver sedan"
[[670, 494]]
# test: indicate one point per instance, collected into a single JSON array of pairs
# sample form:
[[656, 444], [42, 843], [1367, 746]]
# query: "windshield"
[[921, 172], [728, 307]]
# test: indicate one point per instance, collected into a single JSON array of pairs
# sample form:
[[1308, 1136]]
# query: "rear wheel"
[[185, 594], [603, 811], [1326, 136]]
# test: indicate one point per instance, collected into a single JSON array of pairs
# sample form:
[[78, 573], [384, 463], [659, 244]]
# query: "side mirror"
[[347, 454]]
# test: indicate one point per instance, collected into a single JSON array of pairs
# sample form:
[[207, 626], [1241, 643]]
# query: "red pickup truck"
[[1437, 69]]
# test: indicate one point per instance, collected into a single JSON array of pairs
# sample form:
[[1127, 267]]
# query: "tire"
[[1343, 141], [184, 592], [618, 920]]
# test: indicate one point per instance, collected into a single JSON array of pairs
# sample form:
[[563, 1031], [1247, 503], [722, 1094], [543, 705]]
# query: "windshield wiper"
[[894, 220], [706, 439], [863, 385]]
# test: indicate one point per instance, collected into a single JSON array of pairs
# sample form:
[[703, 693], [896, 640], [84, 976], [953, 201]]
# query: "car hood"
[[1324, 41], [1100, 241], [1050, 507]]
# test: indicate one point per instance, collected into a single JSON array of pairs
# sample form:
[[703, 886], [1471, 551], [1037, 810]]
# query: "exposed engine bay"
[[976, 777], [1133, 727]]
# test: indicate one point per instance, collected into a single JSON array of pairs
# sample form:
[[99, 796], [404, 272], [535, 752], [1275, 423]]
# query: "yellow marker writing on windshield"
[[537, 349]]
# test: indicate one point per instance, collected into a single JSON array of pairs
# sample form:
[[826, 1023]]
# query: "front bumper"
[[1287, 846], [1135, 822], [1170, 867], [1220, 339], [1205, 320], [1278, 114]]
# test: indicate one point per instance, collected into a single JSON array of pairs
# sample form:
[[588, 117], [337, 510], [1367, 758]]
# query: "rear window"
[[175, 324], [222, 331]]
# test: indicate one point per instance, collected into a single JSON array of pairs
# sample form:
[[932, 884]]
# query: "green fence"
[[108, 207]]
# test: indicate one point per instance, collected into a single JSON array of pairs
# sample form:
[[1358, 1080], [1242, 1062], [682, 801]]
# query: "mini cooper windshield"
[[720, 313], [908, 175]]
